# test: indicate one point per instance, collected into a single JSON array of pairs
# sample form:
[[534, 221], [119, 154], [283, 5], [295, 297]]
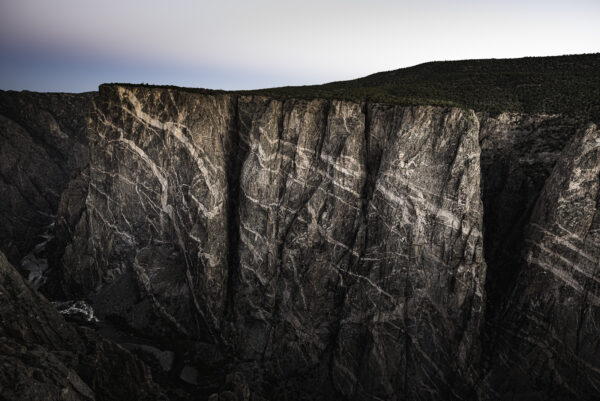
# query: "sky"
[[75, 45]]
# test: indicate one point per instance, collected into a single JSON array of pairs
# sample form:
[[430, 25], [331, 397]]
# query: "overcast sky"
[[74, 45]]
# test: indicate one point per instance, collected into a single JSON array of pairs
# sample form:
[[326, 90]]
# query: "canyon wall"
[[323, 249], [547, 330], [43, 141], [319, 241]]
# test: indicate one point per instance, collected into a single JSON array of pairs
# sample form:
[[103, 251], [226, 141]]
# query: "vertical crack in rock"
[[518, 154], [234, 167], [405, 269]]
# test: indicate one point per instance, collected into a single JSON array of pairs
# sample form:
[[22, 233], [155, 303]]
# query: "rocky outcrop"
[[70, 230], [42, 142], [42, 357]]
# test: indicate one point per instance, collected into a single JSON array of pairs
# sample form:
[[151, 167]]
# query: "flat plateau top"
[[568, 85]]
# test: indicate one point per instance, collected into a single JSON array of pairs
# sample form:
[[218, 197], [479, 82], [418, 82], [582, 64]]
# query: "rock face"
[[548, 336], [319, 249], [518, 153], [305, 237], [168, 185], [411, 318], [42, 141], [42, 357]]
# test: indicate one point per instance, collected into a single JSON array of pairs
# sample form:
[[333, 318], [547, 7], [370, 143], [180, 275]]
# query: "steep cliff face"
[[411, 319], [518, 153], [304, 237], [548, 344], [324, 249], [536, 171], [156, 211], [42, 141]]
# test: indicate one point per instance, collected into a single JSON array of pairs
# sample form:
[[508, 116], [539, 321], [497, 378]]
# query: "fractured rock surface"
[[548, 334], [290, 233], [411, 321], [321, 249], [518, 153]]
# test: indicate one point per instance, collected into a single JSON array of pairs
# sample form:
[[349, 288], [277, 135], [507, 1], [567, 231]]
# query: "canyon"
[[246, 247]]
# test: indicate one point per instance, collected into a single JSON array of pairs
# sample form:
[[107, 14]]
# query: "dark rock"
[[548, 345], [237, 390], [42, 141], [518, 153], [415, 304], [42, 357], [70, 231]]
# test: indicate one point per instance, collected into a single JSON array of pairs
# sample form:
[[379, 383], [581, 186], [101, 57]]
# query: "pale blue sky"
[[74, 45]]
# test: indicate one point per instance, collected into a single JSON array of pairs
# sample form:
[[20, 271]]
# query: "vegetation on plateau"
[[567, 85]]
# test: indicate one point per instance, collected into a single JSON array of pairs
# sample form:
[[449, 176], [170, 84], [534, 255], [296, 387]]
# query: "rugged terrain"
[[42, 357], [43, 141], [251, 246]]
